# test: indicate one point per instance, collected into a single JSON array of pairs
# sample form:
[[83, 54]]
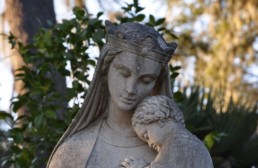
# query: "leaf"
[[213, 137], [38, 121], [64, 72], [99, 14], [12, 40], [17, 105], [209, 141], [50, 114], [135, 3], [98, 36], [16, 149], [176, 68], [91, 62], [178, 96], [160, 21], [4, 115], [152, 19], [171, 34], [170, 67], [128, 8], [161, 29], [21, 117], [20, 75], [79, 12], [138, 9], [140, 17], [174, 75]]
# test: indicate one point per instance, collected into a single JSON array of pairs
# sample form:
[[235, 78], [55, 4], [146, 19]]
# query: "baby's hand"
[[133, 163]]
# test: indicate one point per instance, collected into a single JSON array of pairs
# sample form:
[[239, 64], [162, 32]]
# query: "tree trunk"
[[25, 17]]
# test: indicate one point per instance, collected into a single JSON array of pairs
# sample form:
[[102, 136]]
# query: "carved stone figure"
[[159, 122], [132, 65]]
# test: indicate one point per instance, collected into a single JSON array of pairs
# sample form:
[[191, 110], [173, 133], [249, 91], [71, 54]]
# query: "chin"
[[127, 107]]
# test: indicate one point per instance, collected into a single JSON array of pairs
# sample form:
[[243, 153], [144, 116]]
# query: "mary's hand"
[[133, 163]]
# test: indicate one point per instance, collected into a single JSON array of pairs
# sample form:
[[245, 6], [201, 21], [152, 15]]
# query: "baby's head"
[[152, 119]]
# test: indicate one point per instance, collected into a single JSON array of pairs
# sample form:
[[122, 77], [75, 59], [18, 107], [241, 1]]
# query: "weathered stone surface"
[[132, 65], [158, 122]]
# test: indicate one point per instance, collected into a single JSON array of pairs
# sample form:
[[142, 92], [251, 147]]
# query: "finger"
[[128, 160], [126, 164]]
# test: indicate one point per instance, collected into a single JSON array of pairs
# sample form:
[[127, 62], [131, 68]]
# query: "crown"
[[141, 40]]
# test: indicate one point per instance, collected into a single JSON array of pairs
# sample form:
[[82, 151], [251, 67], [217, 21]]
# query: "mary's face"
[[130, 79]]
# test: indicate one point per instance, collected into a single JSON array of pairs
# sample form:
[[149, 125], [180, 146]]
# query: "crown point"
[[108, 23], [173, 44]]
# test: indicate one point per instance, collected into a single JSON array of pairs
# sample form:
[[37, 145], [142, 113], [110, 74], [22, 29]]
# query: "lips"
[[128, 100]]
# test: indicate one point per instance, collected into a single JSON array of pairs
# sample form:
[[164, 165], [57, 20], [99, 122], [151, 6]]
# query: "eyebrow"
[[121, 66], [149, 75]]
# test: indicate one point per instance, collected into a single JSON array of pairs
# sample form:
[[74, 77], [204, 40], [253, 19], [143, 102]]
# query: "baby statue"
[[158, 121]]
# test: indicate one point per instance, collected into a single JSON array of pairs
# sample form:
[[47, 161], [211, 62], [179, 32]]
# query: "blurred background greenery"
[[214, 74]]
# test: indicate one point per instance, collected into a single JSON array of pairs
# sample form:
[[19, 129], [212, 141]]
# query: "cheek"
[[145, 90], [116, 84], [159, 138], [155, 135]]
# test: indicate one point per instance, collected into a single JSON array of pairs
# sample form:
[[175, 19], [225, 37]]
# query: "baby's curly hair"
[[157, 108]]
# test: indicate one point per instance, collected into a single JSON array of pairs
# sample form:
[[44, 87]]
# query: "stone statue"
[[132, 65], [159, 122]]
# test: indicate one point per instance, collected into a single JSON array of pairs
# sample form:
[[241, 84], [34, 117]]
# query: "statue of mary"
[[131, 66]]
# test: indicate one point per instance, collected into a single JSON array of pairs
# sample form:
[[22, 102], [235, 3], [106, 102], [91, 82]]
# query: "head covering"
[[96, 100], [141, 40]]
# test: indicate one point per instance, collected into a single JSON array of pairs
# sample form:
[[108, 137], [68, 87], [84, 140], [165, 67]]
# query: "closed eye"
[[123, 70], [146, 79]]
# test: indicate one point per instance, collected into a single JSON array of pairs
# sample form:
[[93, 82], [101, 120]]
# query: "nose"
[[131, 86]]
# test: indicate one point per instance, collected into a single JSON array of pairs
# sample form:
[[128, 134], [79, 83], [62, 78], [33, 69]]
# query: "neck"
[[119, 120]]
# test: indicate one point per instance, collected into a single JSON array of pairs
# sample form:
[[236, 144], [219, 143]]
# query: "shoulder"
[[188, 147], [75, 150], [190, 143], [198, 153]]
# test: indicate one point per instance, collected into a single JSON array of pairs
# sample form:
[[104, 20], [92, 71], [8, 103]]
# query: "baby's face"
[[154, 134]]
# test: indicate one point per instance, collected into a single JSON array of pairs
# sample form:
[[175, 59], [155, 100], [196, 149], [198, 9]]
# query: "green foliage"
[[229, 135], [4, 146], [198, 111], [212, 138], [173, 73]]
